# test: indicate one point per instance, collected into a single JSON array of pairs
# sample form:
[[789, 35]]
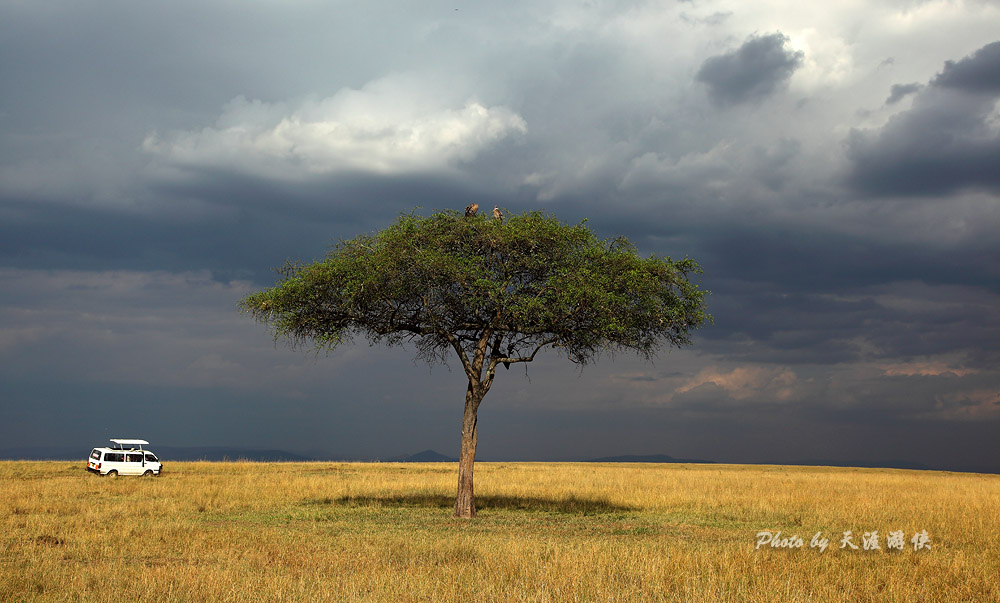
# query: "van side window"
[[133, 458], [114, 457], [150, 458]]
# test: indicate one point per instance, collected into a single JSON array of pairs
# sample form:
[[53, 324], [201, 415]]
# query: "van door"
[[113, 461], [133, 463], [153, 463]]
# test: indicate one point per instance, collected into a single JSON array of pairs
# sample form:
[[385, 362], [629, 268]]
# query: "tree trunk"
[[465, 502]]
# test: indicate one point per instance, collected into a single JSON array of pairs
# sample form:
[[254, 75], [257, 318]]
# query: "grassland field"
[[244, 531]]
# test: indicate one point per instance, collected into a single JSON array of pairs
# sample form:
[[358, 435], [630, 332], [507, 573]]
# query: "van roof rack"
[[121, 441]]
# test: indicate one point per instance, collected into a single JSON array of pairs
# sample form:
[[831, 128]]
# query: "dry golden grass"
[[545, 532]]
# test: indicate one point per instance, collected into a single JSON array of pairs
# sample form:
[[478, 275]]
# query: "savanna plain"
[[243, 531]]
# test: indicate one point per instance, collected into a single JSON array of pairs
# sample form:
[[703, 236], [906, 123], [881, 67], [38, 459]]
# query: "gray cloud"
[[978, 72], [900, 91], [944, 143], [751, 72]]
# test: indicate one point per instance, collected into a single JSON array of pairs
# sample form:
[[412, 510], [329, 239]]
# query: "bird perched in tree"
[[497, 213], [471, 210]]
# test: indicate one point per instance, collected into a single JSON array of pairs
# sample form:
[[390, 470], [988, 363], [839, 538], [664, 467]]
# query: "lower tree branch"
[[494, 361]]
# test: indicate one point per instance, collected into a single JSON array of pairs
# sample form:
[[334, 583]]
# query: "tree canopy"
[[490, 291]]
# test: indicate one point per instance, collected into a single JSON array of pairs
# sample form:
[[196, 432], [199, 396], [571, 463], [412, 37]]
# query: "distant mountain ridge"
[[426, 456]]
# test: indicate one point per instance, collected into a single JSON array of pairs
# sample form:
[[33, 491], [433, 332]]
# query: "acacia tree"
[[489, 291]]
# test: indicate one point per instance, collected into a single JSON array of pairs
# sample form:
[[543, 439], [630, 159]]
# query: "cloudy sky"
[[834, 167]]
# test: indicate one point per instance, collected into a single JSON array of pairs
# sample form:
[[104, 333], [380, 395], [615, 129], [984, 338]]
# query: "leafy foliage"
[[494, 292]]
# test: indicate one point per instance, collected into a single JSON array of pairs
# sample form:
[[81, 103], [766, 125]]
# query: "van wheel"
[[148, 473], [112, 473]]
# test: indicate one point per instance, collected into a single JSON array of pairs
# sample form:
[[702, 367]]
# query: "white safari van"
[[125, 457]]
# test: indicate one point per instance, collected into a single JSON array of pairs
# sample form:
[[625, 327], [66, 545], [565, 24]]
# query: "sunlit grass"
[[545, 532]]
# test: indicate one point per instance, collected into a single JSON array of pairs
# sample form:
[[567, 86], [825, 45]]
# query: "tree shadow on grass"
[[570, 505]]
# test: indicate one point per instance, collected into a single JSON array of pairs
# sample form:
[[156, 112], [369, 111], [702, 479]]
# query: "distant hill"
[[644, 458], [427, 456]]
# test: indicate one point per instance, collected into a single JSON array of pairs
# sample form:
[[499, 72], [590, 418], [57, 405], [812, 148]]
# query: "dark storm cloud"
[[799, 293], [235, 225], [905, 319], [751, 72], [943, 144], [979, 72]]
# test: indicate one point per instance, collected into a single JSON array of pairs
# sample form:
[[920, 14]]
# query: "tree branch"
[[495, 360], [455, 343]]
